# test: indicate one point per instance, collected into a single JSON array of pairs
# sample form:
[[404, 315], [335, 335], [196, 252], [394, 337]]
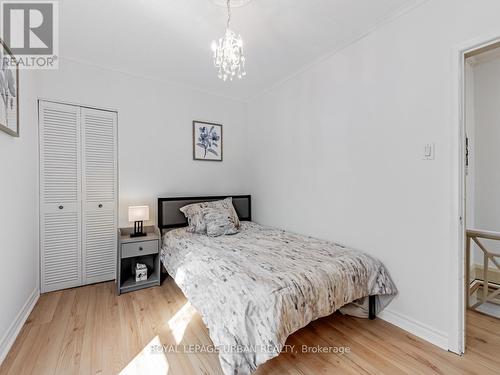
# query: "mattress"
[[255, 288]]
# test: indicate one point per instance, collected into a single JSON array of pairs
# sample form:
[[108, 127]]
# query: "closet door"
[[60, 196], [99, 179]]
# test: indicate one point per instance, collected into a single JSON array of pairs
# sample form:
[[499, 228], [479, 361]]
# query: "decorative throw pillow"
[[194, 214], [218, 222], [195, 221]]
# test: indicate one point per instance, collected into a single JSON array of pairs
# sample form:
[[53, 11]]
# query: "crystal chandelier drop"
[[228, 53]]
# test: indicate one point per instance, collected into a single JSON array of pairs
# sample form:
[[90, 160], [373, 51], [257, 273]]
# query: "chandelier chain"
[[228, 13]]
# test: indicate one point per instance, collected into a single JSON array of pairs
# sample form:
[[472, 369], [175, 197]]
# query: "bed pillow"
[[195, 220], [218, 222], [195, 215]]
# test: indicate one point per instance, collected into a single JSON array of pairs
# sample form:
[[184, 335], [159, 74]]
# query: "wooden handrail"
[[483, 234]]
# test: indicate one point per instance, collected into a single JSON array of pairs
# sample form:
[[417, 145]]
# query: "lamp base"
[[138, 227]]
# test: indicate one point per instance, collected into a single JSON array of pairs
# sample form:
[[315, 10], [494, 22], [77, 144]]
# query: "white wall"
[[470, 131], [155, 133], [470, 179], [19, 215], [487, 148], [339, 149]]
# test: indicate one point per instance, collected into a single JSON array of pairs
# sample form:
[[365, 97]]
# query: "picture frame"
[[207, 141], [9, 91]]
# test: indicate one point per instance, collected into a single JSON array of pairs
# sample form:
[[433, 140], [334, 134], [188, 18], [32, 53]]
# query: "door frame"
[[457, 314]]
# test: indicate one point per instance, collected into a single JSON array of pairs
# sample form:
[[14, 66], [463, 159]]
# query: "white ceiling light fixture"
[[228, 51]]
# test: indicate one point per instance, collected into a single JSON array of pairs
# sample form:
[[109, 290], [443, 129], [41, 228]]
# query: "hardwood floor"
[[90, 330]]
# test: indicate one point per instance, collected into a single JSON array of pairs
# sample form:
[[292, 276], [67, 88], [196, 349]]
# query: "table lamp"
[[138, 214]]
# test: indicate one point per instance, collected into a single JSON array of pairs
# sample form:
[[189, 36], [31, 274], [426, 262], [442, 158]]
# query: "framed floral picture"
[[9, 91], [207, 141]]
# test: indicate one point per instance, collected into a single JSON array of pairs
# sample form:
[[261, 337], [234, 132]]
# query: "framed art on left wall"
[[9, 91], [207, 141]]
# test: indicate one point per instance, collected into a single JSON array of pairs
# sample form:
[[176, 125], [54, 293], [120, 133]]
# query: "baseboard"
[[14, 329], [416, 328]]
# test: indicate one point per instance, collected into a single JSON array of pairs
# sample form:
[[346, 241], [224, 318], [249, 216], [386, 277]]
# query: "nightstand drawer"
[[135, 249]]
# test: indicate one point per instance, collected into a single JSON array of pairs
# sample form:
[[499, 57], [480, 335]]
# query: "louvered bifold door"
[[99, 178], [60, 196]]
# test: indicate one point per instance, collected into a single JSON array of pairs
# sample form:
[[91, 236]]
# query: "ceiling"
[[169, 40]]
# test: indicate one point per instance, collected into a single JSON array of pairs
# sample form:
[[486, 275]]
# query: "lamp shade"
[[138, 213]]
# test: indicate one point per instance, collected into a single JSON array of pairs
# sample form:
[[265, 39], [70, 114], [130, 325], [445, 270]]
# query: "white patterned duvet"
[[255, 288]]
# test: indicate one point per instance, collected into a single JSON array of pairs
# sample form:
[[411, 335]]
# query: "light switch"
[[429, 151]]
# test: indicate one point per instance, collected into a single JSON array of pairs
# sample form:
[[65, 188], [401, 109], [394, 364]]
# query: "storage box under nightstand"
[[135, 250]]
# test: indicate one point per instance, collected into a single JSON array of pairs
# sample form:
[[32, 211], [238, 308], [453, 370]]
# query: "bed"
[[255, 288]]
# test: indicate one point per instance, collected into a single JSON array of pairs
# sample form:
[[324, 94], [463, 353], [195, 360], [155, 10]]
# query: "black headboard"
[[169, 215]]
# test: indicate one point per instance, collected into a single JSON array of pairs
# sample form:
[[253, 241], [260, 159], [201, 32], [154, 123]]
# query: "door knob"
[[140, 248], [100, 205], [61, 207]]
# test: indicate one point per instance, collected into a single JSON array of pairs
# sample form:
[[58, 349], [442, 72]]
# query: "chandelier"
[[228, 53]]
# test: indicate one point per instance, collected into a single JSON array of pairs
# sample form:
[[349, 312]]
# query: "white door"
[[99, 179], [60, 196]]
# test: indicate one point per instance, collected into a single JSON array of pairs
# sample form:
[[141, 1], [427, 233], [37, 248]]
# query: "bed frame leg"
[[371, 308]]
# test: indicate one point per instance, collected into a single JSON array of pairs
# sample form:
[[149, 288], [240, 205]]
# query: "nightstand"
[[135, 250]]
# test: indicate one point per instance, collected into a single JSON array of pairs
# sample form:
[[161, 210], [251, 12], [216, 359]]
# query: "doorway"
[[481, 113]]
